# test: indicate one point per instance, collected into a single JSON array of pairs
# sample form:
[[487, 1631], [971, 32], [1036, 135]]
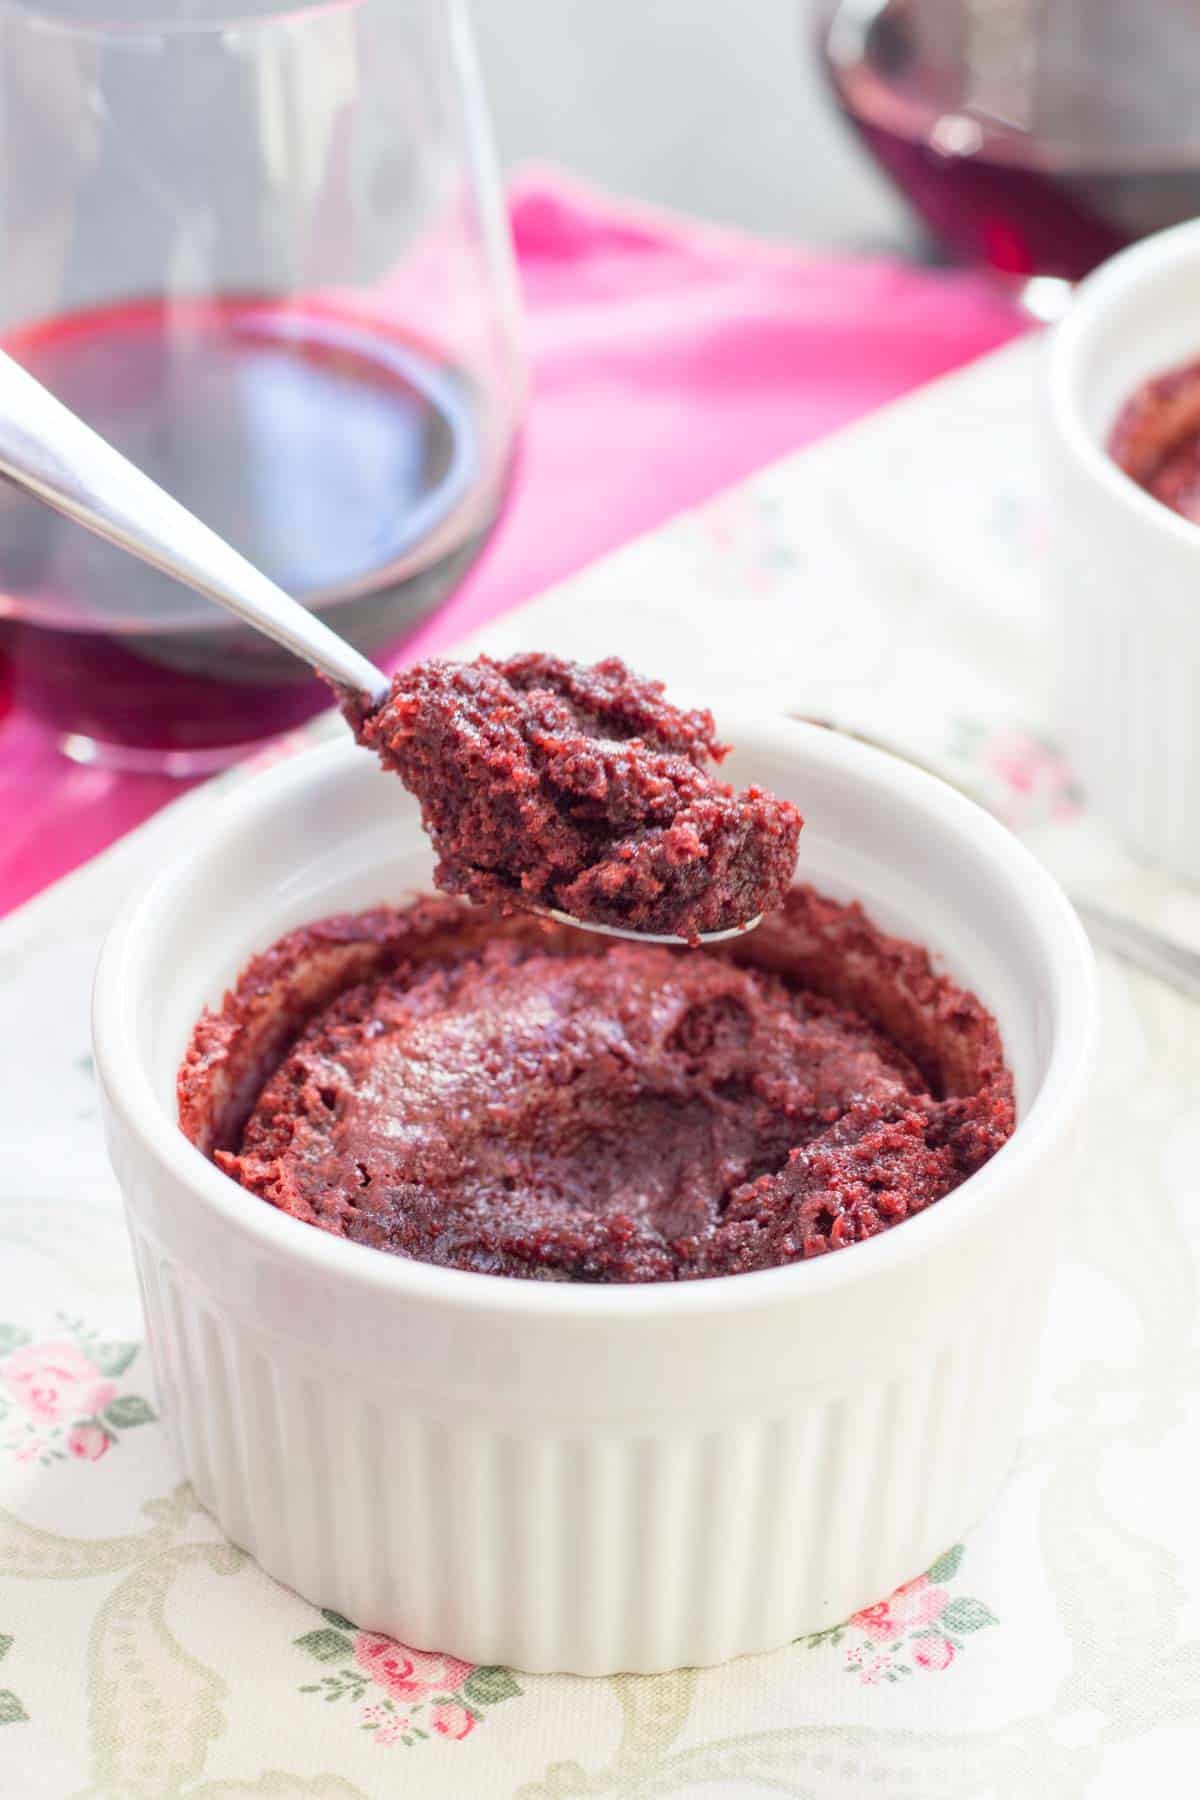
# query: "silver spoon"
[[47, 449]]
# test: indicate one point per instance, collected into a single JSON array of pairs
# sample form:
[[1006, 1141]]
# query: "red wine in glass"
[[348, 462], [1036, 156]]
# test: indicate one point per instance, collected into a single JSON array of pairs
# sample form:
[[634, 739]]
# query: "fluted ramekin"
[[1124, 568], [593, 1478]]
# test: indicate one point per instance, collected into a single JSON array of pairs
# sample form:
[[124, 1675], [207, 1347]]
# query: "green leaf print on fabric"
[[11, 1710], [129, 1409], [113, 1359], [946, 1566], [326, 1646], [488, 1686], [967, 1615]]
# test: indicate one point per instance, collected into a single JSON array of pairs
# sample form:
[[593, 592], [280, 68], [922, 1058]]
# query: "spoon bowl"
[[647, 937]]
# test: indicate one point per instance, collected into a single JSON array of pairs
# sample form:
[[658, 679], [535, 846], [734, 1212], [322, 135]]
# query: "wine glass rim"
[[39, 16]]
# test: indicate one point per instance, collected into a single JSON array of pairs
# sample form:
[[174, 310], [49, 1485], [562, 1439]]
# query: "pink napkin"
[[669, 359]]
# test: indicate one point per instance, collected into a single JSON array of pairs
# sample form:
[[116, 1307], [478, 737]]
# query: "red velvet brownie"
[[507, 1095], [549, 784], [1156, 439]]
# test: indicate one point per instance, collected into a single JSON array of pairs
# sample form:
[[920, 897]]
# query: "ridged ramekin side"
[[590, 1551], [1128, 672]]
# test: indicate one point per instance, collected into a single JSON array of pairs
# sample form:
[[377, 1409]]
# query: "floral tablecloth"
[[889, 578]]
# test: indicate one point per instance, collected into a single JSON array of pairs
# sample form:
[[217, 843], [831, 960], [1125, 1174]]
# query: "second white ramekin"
[[594, 1478], [1125, 569]]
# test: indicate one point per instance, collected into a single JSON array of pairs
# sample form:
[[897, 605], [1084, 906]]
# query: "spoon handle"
[[1146, 949], [49, 451], [1138, 945]]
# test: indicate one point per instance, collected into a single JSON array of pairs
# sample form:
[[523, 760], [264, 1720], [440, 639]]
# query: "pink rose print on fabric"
[[54, 1382], [1026, 778], [452, 1720], [60, 1398], [407, 1674], [920, 1629], [933, 1652], [398, 1694], [88, 1442], [749, 540], [1025, 764], [916, 1603]]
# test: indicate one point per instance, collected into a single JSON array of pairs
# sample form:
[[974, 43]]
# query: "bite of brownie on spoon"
[[580, 791]]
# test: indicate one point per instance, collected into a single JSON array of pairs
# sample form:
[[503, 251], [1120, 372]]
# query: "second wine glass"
[[1032, 137]]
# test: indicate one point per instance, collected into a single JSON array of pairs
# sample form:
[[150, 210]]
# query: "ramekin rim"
[[129, 1091], [1141, 265]]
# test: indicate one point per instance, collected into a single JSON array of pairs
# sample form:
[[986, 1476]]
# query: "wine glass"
[[1034, 137], [263, 250]]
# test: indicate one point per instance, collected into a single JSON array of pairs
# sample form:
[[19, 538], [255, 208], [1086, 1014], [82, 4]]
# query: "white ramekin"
[[1125, 570], [593, 1478]]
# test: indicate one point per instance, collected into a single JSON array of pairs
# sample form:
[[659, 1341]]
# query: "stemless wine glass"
[[263, 250], [1035, 137]]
